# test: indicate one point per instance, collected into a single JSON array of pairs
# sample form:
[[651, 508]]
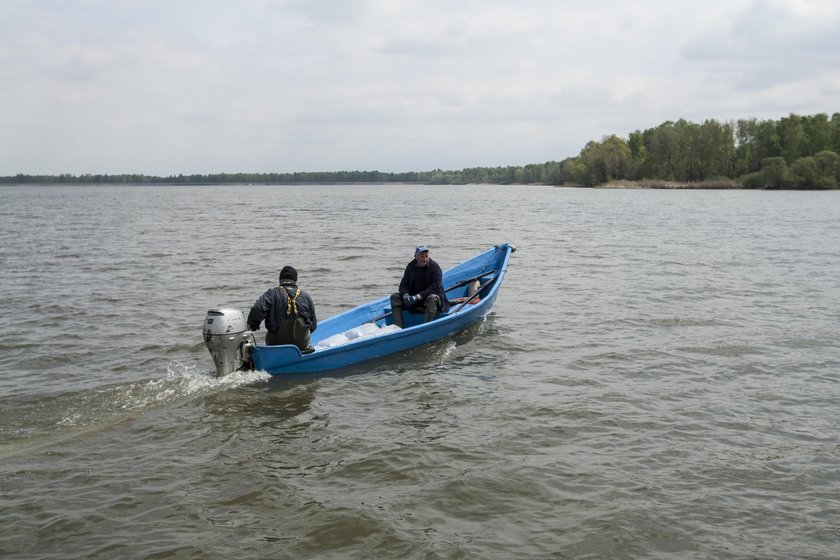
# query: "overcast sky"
[[204, 86]]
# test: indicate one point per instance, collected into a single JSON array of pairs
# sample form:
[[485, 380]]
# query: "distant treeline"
[[218, 178], [794, 152], [498, 175]]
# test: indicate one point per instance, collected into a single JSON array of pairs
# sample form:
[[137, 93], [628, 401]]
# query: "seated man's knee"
[[396, 300], [432, 302]]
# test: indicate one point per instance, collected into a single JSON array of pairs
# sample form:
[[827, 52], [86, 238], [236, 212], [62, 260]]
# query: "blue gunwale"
[[490, 268]]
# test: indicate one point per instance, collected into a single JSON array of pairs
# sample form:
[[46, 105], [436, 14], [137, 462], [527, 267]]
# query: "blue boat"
[[365, 332]]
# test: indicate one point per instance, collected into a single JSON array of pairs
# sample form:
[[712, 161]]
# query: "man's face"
[[422, 258]]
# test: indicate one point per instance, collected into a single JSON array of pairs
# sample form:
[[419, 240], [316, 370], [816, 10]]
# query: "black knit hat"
[[288, 273]]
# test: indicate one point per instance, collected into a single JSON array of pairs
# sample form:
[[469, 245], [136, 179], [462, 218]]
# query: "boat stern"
[[228, 339]]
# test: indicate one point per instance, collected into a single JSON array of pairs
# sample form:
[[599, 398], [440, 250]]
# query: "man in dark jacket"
[[421, 287], [288, 312]]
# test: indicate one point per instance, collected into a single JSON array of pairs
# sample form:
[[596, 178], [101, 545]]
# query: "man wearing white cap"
[[421, 287]]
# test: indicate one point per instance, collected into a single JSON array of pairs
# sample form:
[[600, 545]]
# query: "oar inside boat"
[[474, 296], [455, 286]]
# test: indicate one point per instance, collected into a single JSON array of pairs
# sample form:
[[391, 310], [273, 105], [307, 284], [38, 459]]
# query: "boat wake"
[[181, 382], [55, 418], [445, 352]]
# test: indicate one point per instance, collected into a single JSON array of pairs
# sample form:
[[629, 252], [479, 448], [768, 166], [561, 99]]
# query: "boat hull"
[[488, 268]]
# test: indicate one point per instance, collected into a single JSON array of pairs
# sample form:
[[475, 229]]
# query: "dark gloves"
[[409, 301]]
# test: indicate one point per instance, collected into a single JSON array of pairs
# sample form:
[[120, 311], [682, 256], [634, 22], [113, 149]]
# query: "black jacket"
[[430, 275], [272, 306]]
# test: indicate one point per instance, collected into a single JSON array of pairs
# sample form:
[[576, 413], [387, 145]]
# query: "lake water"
[[660, 377]]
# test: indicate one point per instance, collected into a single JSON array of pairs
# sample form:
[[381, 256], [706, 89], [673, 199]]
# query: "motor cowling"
[[228, 339]]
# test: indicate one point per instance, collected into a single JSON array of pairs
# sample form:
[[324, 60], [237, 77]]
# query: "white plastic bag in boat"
[[362, 331], [332, 341]]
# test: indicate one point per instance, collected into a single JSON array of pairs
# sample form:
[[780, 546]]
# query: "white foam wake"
[[181, 382]]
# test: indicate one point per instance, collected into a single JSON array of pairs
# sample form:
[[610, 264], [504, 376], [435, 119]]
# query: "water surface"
[[659, 377]]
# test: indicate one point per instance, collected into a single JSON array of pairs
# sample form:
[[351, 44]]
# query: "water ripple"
[[658, 378]]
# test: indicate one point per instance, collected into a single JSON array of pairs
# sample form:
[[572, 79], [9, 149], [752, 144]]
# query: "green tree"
[[828, 170], [664, 152], [715, 149], [818, 132], [638, 154], [756, 140], [805, 174], [793, 138], [835, 132], [775, 173], [606, 160]]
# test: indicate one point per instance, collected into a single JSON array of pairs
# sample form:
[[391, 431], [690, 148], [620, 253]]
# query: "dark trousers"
[[430, 306], [290, 332]]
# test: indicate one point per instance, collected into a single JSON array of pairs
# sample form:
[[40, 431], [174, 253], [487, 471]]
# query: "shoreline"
[[721, 184], [718, 184]]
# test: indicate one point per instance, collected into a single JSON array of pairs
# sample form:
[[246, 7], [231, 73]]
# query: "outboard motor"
[[228, 339]]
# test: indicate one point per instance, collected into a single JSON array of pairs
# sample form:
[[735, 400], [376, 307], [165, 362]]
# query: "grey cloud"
[[180, 86], [768, 45]]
